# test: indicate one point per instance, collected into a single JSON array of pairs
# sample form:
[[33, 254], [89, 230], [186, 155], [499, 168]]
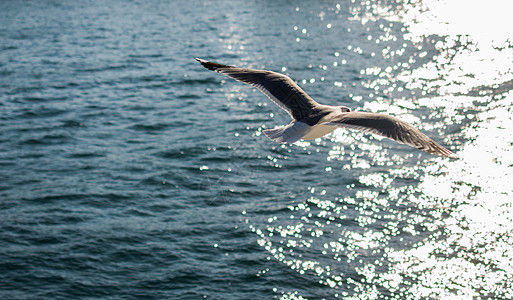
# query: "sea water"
[[128, 171]]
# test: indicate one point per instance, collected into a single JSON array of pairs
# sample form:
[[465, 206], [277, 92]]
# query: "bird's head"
[[344, 109]]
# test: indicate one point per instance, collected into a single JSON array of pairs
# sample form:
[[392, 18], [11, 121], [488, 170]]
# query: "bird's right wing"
[[278, 87], [389, 127]]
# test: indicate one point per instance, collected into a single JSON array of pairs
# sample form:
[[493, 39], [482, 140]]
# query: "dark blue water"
[[128, 171]]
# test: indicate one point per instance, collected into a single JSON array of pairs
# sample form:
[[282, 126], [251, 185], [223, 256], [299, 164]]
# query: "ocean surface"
[[128, 171]]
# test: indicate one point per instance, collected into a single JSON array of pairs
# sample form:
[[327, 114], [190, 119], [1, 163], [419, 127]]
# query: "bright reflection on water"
[[417, 226]]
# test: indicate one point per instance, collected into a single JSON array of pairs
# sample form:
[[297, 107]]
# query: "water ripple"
[[128, 171]]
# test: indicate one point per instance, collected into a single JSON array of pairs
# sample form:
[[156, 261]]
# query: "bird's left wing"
[[390, 127]]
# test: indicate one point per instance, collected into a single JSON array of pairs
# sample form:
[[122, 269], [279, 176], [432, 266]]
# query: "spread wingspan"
[[311, 118]]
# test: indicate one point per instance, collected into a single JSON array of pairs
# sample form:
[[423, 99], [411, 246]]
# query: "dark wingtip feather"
[[210, 65], [454, 156], [438, 149], [450, 154]]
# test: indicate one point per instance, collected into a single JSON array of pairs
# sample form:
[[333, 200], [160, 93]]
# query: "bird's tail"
[[288, 134]]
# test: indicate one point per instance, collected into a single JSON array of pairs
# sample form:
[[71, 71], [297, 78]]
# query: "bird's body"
[[318, 131], [311, 120]]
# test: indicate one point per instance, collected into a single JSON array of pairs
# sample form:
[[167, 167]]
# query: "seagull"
[[311, 120]]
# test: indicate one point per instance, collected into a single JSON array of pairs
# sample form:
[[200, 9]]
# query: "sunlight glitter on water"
[[472, 260], [417, 226], [476, 192]]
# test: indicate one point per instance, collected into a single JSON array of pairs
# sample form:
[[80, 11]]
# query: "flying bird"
[[311, 120]]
